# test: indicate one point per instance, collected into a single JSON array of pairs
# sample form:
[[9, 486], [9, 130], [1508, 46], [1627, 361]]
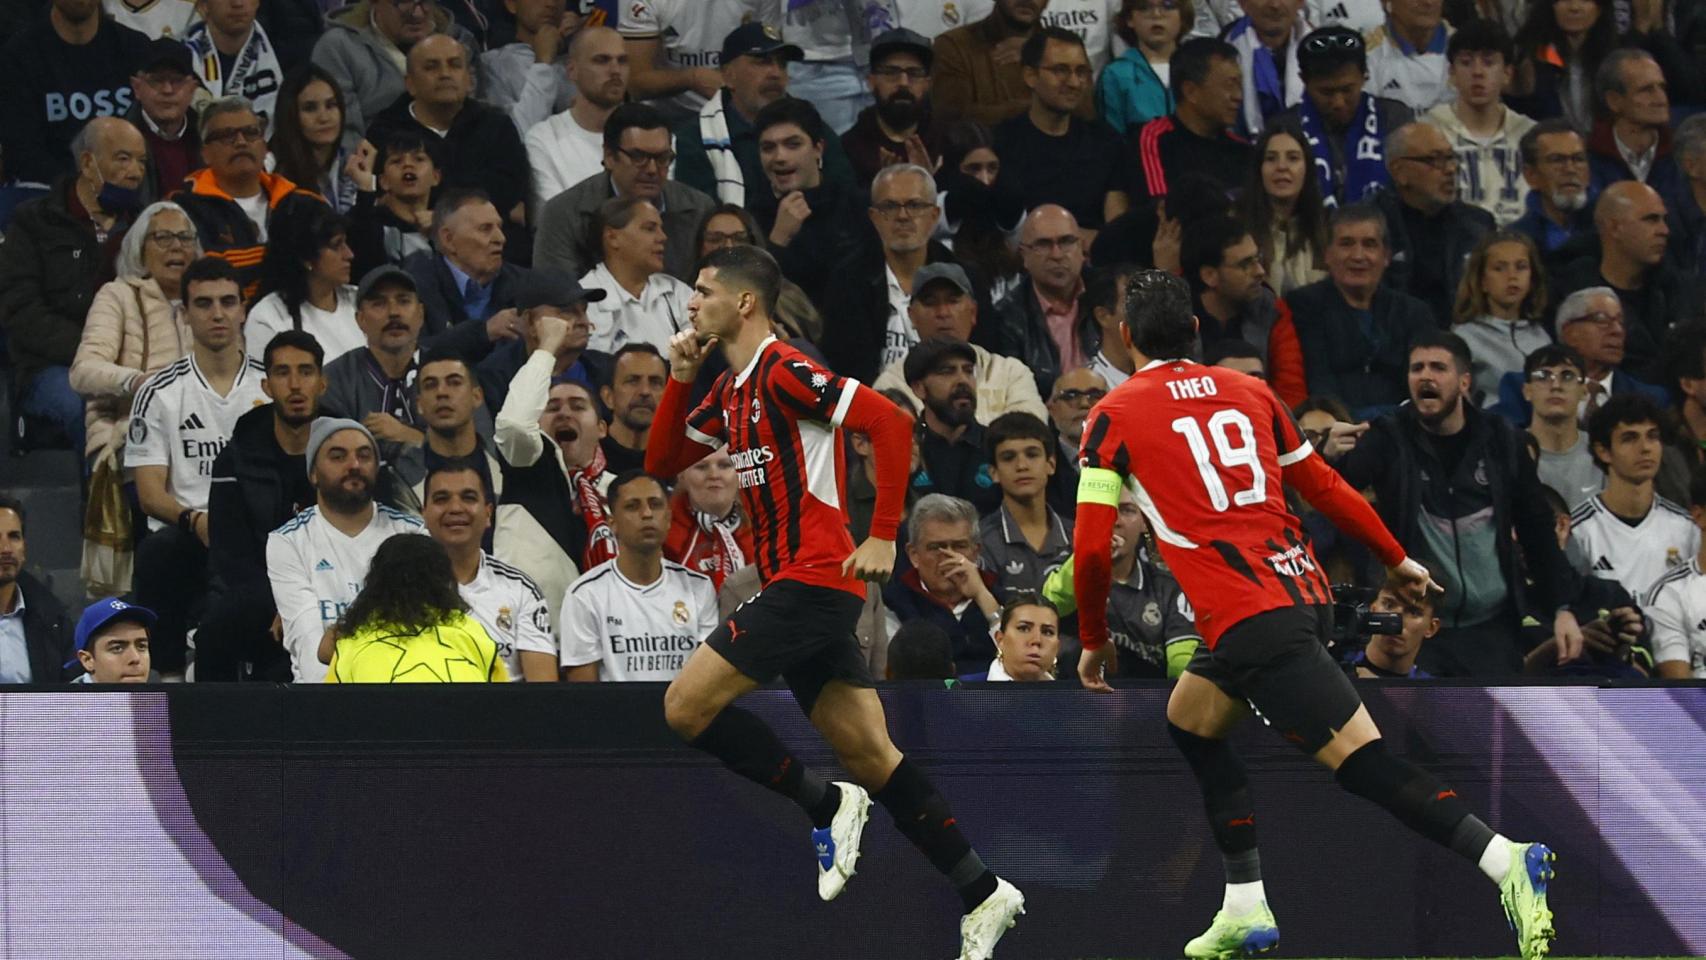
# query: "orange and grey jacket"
[[226, 231]]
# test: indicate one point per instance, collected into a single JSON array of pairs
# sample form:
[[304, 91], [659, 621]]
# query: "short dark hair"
[[1359, 212], [1619, 409], [1529, 145], [638, 346], [632, 475], [1481, 36], [1193, 59], [1158, 314], [444, 354], [921, 650], [1552, 355], [1102, 286], [1205, 243], [1445, 340], [451, 200], [458, 465], [748, 268], [1026, 598], [297, 340], [1031, 52], [792, 110], [1017, 425], [405, 140], [207, 270], [1329, 50], [630, 116], [9, 502]]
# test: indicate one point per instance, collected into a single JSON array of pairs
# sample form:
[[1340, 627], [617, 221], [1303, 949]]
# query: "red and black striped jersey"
[[781, 419], [1204, 449]]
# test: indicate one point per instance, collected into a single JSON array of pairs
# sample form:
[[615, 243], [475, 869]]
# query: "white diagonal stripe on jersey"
[[1147, 504]]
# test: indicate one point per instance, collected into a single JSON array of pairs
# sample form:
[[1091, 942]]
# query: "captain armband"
[[1100, 485]]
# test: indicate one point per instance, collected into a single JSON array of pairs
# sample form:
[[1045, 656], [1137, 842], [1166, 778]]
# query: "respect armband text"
[[1100, 485]]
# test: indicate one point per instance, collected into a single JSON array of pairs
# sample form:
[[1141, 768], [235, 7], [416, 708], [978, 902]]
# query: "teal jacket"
[[1129, 94]]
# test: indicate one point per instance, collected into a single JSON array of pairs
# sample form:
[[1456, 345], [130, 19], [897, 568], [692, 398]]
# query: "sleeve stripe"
[[1287, 459], [848, 389], [695, 435]]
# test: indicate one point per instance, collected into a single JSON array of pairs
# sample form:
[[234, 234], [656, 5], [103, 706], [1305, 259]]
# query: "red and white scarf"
[[600, 539]]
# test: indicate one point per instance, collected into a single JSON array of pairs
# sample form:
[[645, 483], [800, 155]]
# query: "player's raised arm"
[[674, 444], [890, 431]]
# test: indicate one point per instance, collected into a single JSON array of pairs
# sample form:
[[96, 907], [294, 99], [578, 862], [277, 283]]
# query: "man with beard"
[[316, 562], [1431, 232], [636, 383], [1056, 68], [719, 150], [943, 376], [71, 63], [978, 76], [568, 147], [898, 127], [1555, 165], [233, 199], [260, 481], [452, 408], [35, 635], [376, 385], [183, 417], [1457, 487]]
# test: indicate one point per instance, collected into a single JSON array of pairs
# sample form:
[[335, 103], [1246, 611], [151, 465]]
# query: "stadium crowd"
[[391, 286]]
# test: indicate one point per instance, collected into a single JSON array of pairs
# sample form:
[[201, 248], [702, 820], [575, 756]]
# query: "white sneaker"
[[838, 846], [981, 929]]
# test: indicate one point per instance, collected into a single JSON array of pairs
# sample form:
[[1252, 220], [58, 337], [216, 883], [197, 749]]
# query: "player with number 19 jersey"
[[1207, 451]]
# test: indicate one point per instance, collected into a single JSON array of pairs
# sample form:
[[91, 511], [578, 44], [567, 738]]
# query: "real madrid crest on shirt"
[[1152, 614], [681, 613], [505, 621]]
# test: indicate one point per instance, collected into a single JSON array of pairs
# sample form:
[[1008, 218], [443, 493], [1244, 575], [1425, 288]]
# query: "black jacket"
[[838, 227], [482, 150], [226, 231], [856, 317], [1366, 371], [1669, 297], [1397, 458], [1461, 227], [47, 632], [378, 237], [256, 488], [504, 362], [447, 321], [1023, 334], [50, 267]]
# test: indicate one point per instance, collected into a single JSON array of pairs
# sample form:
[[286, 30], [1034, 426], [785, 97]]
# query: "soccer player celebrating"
[[780, 415], [1206, 450]]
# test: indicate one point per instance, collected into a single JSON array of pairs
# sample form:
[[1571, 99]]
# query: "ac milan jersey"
[[780, 418], [1203, 448]]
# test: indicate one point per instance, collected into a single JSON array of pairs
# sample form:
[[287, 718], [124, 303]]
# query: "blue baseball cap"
[[102, 612]]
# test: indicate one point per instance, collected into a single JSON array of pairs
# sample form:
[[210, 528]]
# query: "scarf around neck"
[[600, 539], [1365, 161]]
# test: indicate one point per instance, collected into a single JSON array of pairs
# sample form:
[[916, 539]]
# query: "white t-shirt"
[[935, 17], [1091, 19], [316, 573], [1360, 15], [1676, 609], [509, 605], [822, 32], [691, 32], [155, 18], [1415, 78], [901, 335], [658, 313], [181, 423], [562, 153], [636, 632], [255, 208], [1635, 556], [335, 330]]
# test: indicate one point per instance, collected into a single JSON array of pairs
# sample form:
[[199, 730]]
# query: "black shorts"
[[802, 633], [1276, 661]]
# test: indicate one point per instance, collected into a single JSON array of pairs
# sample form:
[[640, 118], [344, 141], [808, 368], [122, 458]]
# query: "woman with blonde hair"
[[1500, 310], [135, 323]]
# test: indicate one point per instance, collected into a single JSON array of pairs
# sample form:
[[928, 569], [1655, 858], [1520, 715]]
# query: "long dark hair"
[[292, 151], [298, 234], [1307, 213], [1540, 30], [410, 586], [980, 244]]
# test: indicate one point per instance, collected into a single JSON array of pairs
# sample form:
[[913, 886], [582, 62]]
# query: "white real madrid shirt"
[[1635, 556], [690, 32], [155, 18], [634, 631], [181, 423], [1091, 19], [935, 17], [512, 609], [1676, 611], [316, 571]]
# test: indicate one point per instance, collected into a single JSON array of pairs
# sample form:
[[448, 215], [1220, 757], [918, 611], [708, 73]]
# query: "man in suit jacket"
[[465, 286], [35, 635]]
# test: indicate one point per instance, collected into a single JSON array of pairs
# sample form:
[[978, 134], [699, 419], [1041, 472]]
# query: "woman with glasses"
[[305, 284], [135, 324], [1281, 204], [1500, 310], [727, 225], [306, 141], [1133, 89]]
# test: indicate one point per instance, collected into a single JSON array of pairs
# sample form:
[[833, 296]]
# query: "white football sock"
[[1496, 859], [1241, 898]]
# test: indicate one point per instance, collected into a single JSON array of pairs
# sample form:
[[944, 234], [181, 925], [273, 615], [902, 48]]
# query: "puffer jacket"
[[368, 67], [131, 328]]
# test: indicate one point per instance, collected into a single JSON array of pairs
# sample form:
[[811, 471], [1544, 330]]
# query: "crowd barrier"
[[480, 823]]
